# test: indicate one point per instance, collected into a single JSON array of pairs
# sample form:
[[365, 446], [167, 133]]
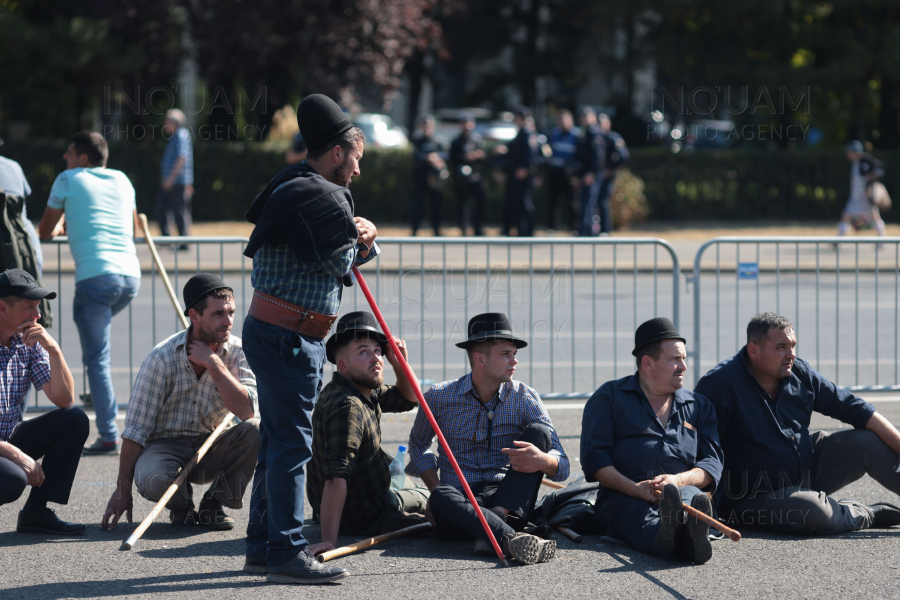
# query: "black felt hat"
[[19, 283], [654, 330], [348, 327], [320, 120], [490, 326], [200, 285]]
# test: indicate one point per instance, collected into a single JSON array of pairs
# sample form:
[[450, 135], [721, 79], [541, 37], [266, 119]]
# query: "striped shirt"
[[20, 367], [169, 401], [179, 146], [463, 420], [313, 286]]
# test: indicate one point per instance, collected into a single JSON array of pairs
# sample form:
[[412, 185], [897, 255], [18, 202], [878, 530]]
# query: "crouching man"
[[644, 435], [186, 386], [490, 421]]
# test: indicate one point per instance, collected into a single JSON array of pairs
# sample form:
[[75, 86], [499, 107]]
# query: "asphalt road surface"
[[171, 562]]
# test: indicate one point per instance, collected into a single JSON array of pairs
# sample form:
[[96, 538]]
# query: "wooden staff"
[[575, 537], [423, 406], [732, 534], [372, 541], [182, 477]]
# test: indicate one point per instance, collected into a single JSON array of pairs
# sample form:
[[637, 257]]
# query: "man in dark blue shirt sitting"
[[777, 475], [644, 434]]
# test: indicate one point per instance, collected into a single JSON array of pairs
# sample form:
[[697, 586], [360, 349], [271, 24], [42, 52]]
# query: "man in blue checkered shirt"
[[490, 421], [28, 355]]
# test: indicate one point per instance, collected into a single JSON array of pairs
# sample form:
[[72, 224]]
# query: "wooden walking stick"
[[410, 376], [182, 476], [732, 534], [372, 541]]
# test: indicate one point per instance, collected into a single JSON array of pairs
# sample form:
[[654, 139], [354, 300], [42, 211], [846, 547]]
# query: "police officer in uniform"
[[466, 157], [521, 153], [589, 161], [429, 172], [613, 154], [562, 163]]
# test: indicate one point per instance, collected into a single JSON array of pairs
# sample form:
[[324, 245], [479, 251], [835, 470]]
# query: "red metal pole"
[[411, 377]]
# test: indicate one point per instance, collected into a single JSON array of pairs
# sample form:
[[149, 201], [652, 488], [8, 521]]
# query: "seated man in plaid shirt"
[[29, 355], [349, 486], [186, 386], [490, 421]]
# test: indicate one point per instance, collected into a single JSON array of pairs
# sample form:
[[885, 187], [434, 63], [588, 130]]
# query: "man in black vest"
[[304, 244]]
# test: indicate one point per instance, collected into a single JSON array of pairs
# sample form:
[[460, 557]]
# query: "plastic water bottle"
[[398, 477]]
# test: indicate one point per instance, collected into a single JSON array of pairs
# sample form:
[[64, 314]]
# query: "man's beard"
[[364, 379], [210, 336], [342, 174]]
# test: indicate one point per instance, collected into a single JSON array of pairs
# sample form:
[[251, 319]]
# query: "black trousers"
[[58, 437], [560, 193], [518, 208], [454, 515], [466, 192], [420, 191], [174, 203]]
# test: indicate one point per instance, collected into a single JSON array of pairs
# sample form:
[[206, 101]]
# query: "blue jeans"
[[288, 385], [97, 300], [634, 521]]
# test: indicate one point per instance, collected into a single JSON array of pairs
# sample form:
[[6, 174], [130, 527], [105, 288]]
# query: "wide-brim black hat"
[[351, 326], [654, 330], [19, 283], [490, 326], [200, 285]]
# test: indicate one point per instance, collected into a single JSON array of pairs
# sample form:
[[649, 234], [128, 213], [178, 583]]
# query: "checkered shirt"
[[21, 366], [313, 286], [464, 422], [169, 401], [347, 445]]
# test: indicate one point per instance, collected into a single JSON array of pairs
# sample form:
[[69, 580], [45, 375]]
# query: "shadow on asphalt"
[[181, 582], [640, 564]]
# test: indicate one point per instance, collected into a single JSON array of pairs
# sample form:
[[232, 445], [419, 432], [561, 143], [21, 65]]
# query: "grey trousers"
[[841, 458], [228, 466]]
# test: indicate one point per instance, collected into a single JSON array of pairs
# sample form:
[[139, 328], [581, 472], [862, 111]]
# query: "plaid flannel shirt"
[[169, 401], [463, 420], [20, 367], [347, 444]]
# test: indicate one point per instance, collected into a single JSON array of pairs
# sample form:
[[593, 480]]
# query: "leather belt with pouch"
[[274, 311]]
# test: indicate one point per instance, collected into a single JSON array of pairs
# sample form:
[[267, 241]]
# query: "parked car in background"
[[493, 128], [380, 130]]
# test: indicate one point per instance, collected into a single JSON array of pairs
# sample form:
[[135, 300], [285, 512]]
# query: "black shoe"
[[101, 448], [696, 548], [44, 520], [86, 399], [671, 520], [211, 515], [256, 565], [886, 515], [305, 568], [188, 518]]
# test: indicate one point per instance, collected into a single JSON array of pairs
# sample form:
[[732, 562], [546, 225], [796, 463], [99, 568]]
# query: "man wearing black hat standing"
[[518, 207], [490, 421], [304, 244], [644, 435], [350, 488], [186, 386], [28, 355]]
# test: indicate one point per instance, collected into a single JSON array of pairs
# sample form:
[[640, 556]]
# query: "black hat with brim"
[[320, 120], [200, 285], [490, 327], [351, 326], [654, 330], [21, 284]]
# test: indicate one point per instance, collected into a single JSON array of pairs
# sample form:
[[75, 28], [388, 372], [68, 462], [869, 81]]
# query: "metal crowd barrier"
[[576, 301], [840, 293]]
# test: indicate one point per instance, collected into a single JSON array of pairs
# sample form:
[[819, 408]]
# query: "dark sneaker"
[[671, 519], [697, 548], [211, 516], [101, 448], [45, 520], [188, 518], [886, 515], [529, 549], [305, 568], [256, 565]]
